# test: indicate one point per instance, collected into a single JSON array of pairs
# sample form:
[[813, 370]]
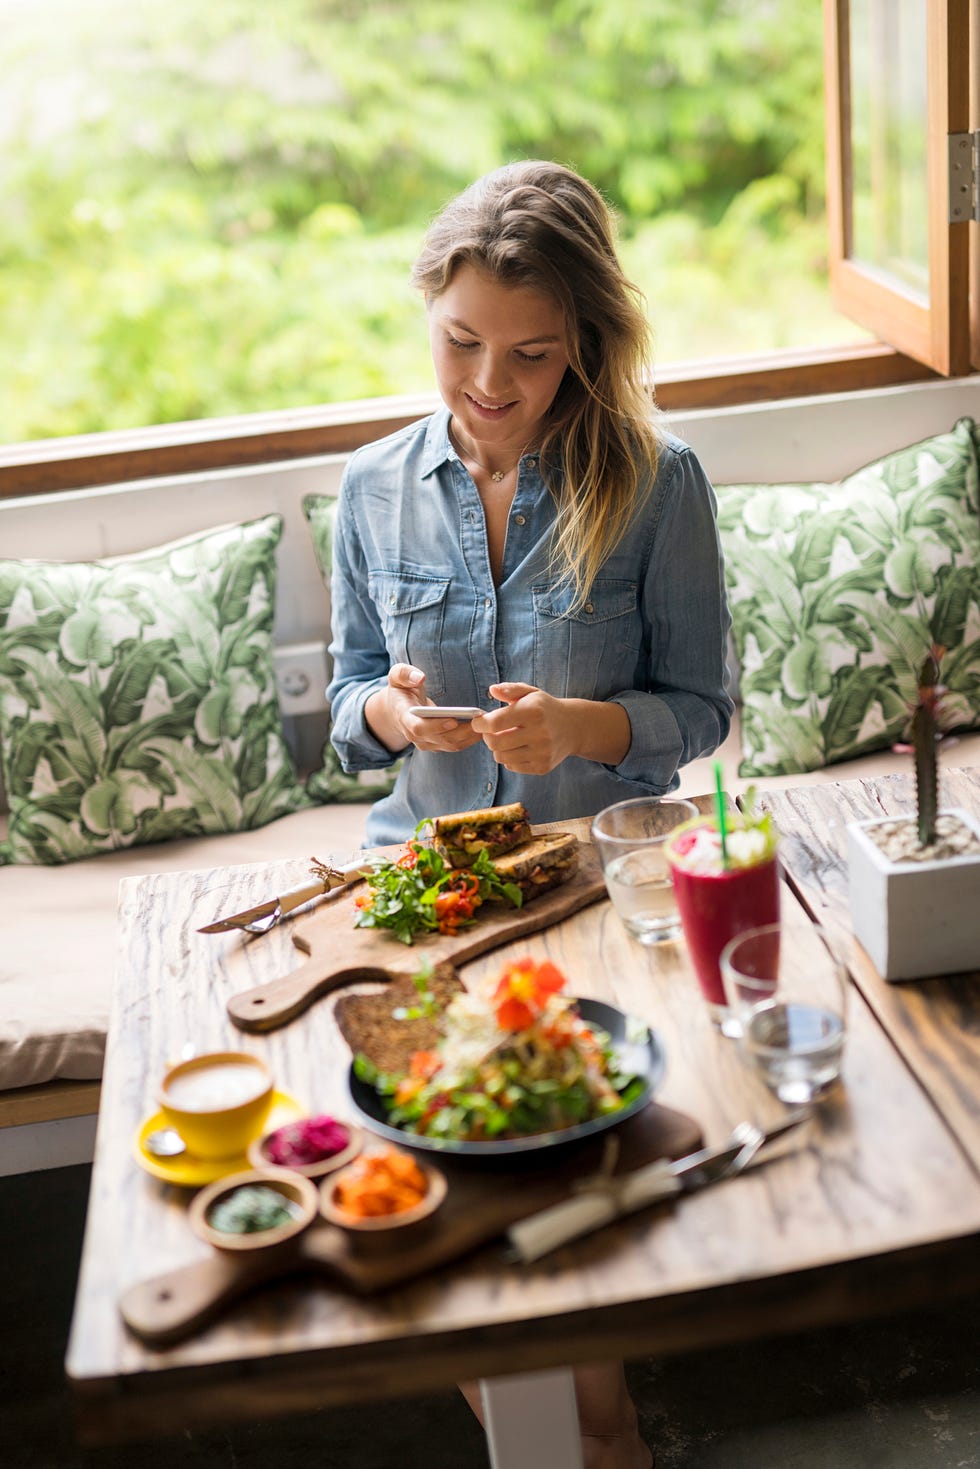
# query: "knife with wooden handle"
[[334, 878], [604, 1199]]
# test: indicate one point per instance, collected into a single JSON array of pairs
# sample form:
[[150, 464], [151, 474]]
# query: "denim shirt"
[[411, 583]]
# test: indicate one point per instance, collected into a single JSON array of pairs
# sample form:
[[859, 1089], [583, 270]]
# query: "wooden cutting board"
[[482, 1202], [341, 954]]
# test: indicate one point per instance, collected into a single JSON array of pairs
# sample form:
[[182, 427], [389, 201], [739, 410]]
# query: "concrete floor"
[[903, 1393]]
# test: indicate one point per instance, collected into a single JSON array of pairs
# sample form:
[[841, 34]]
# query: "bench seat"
[[58, 953]]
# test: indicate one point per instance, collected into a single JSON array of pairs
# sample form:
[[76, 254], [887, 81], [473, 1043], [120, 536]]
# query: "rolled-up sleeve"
[[680, 708]]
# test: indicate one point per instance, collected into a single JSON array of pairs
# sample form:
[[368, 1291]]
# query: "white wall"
[[822, 438], [816, 438], [88, 524]]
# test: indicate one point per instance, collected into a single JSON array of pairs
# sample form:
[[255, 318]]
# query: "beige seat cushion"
[[59, 935]]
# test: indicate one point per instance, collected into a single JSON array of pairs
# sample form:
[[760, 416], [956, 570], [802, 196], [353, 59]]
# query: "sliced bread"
[[369, 1025]]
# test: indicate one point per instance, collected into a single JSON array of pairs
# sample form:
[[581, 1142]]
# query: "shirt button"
[[392, 599], [489, 787], [488, 603], [532, 459], [589, 607], [519, 519]]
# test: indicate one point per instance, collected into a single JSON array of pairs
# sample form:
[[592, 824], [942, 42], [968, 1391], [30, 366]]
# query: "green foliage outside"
[[213, 209]]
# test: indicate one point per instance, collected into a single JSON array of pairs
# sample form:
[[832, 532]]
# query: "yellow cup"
[[218, 1102]]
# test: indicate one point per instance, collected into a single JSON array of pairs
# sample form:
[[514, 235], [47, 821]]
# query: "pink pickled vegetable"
[[308, 1141]]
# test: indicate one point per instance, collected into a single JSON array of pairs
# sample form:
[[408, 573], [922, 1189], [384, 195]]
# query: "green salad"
[[513, 1063], [418, 892]]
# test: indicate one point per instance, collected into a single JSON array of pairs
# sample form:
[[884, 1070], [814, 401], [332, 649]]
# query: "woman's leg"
[[607, 1417]]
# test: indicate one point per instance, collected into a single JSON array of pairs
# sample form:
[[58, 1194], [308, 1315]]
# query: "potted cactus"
[[915, 881]]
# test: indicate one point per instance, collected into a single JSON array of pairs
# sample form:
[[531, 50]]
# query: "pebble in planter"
[[915, 881]]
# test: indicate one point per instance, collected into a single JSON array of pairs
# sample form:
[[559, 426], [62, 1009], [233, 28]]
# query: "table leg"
[[532, 1421]]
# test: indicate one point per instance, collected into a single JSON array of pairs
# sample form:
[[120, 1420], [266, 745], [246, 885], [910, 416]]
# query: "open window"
[[898, 89], [900, 192]]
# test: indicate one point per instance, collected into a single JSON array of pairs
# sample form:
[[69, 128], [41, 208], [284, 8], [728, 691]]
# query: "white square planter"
[[914, 918]]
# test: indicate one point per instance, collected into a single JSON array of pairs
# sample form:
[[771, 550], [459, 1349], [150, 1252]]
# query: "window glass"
[[212, 209], [888, 141]]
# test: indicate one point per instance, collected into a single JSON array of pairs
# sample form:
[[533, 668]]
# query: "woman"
[[537, 548]]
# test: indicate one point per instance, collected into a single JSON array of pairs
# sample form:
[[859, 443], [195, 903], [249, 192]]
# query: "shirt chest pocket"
[[412, 609], [590, 653]]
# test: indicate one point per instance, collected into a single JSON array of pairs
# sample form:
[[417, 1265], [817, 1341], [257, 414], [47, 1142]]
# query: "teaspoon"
[[166, 1142]]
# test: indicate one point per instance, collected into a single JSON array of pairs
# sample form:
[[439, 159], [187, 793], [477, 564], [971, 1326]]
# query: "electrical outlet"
[[301, 678]]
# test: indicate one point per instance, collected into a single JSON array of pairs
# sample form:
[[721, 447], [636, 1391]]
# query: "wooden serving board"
[[341, 954], [482, 1202]]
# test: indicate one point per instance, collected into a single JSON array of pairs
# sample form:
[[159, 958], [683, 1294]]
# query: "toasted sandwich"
[[461, 836], [539, 865]]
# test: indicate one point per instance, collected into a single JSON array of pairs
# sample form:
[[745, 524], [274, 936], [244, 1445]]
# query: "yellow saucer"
[[191, 1171]]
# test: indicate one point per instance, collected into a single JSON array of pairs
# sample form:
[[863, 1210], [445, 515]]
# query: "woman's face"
[[500, 354]]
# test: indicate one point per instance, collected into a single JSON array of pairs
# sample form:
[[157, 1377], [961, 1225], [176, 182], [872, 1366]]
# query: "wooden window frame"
[[937, 333], [49, 466]]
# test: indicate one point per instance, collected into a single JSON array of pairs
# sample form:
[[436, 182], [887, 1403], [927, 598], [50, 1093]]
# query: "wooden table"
[[875, 1208], [934, 1023]]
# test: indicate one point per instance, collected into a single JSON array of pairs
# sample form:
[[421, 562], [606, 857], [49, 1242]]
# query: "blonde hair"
[[539, 225]]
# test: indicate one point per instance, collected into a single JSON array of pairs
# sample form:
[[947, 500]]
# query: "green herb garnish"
[[418, 892], [752, 819], [428, 1006], [252, 1209]]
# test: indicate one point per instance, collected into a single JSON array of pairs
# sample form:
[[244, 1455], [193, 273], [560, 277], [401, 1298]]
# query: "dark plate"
[[638, 1057]]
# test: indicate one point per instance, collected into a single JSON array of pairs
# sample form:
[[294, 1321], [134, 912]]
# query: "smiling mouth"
[[488, 407]]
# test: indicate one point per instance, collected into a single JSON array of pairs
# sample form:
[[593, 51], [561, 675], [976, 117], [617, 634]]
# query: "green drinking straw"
[[720, 812]]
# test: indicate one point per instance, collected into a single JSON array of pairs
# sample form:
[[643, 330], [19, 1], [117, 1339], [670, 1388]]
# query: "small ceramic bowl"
[[381, 1227], [259, 1157], [217, 1102], [293, 1187]]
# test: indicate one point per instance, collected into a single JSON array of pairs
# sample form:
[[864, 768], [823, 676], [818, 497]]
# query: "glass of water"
[[788, 993], [630, 837]]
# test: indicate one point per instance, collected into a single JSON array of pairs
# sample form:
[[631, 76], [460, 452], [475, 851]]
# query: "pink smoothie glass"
[[715, 902]]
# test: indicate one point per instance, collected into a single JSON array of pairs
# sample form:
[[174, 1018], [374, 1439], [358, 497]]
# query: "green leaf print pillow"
[[331, 782], [137, 697], [837, 591]]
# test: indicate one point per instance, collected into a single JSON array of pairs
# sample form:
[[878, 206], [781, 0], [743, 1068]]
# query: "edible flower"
[[514, 1058], [523, 991]]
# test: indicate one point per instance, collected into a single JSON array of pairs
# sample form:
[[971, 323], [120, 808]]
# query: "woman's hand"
[[536, 731], [387, 714], [532, 734]]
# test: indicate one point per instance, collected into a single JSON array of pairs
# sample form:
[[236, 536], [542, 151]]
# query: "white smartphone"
[[446, 711]]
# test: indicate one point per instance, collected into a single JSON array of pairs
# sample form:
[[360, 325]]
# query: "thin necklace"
[[497, 475]]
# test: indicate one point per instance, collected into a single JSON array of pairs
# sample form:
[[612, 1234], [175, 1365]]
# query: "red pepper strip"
[[448, 912]]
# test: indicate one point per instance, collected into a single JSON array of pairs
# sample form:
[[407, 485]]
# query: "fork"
[[267, 915], [333, 882], [598, 1201]]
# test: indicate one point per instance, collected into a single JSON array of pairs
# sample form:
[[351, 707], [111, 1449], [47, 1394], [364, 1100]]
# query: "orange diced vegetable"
[[382, 1183]]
